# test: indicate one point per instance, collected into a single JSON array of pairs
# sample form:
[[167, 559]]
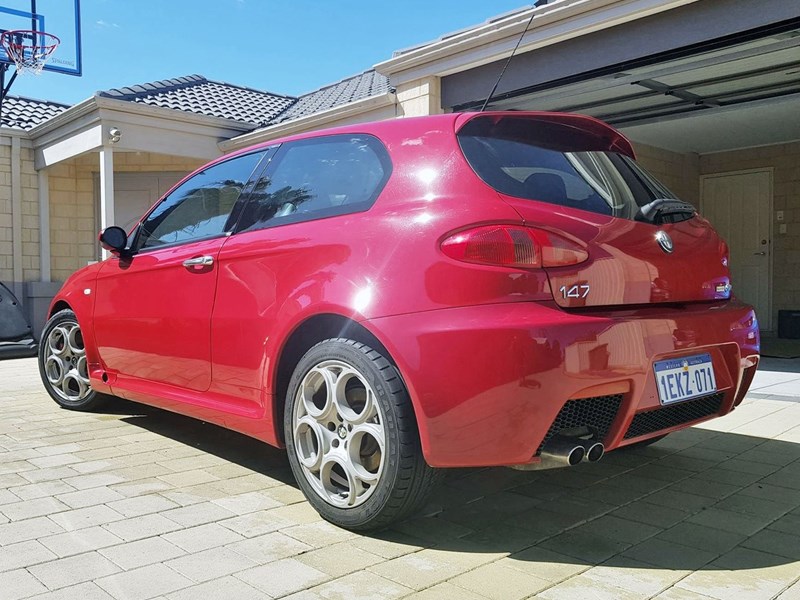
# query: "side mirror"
[[114, 239]]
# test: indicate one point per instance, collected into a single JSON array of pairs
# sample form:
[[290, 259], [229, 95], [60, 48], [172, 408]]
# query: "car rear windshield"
[[558, 163]]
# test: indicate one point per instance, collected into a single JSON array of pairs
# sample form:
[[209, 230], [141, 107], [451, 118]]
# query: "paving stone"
[[669, 555], [725, 585], [20, 531], [80, 541], [585, 546], [23, 554], [584, 587], [144, 583], [269, 547], [28, 509], [249, 502], [318, 534], [651, 514], [701, 537], [74, 569], [358, 586], [500, 582], [140, 553], [210, 564], [340, 559], [82, 591], [86, 517], [41, 490], [92, 480], [137, 528], [141, 505], [443, 591], [634, 576], [419, 570], [197, 514], [224, 588], [282, 577], [188, 478], [19, 584], [202, 537], [775, 542], [727, 520], [90, 497]]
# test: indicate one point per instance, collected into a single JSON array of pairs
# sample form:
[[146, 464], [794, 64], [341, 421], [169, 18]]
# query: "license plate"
[[680, 379]]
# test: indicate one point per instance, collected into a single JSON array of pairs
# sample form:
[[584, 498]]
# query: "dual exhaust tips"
[[561, 451]]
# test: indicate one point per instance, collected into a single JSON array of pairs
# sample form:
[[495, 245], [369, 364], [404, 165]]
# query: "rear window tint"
[[556, 163]]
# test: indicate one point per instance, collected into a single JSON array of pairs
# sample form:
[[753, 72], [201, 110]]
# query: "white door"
[[135, 193], [739, 205]]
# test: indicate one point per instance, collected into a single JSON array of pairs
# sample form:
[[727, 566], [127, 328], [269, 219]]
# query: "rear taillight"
[[513, 246]]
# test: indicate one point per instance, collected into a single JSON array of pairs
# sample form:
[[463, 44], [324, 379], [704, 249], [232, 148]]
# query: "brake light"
[[513, 246]]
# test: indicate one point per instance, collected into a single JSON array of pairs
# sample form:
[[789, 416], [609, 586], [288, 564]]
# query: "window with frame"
[[317, 178], [200, 207]]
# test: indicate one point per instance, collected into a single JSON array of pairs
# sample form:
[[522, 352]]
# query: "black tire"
[[67, 389], [403, 478]]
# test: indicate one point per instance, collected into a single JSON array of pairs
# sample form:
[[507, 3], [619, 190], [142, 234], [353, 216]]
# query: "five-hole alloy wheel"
[[62, 363], [351, 436]]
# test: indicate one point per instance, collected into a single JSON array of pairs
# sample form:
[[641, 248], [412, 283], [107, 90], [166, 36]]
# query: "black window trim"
[[269, 153], [382, 153]]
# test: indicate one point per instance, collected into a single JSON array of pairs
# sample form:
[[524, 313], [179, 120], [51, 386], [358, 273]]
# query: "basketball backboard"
[[58, 17]]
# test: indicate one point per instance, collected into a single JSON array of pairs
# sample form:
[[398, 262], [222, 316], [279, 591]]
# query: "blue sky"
[[287, 46]]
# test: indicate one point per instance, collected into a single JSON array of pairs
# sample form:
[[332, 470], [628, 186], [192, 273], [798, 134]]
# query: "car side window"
[[200, 207], [317, 178]]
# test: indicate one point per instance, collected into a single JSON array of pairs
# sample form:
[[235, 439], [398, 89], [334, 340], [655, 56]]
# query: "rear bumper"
[[488, 382]]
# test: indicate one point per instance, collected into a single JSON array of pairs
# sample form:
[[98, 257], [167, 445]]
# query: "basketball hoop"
[[29, 49]]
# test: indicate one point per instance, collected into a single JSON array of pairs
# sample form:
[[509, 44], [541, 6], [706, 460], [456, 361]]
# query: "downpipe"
[[562, 451]]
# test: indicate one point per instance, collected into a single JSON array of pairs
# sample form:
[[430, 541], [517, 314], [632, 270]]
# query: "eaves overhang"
[[85, 128], [310, 122], [552, 23]]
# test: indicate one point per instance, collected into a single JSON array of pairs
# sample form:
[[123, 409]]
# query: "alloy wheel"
[[339, 433]]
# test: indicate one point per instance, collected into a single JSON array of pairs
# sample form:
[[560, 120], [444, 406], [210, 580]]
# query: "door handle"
[[759, 253], [199, 261]]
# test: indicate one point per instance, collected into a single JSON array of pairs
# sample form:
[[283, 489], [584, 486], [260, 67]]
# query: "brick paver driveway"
[[139, 503]]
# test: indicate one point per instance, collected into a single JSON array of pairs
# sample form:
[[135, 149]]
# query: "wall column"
[[16, 216], [420, 97], [44, 226], [106, 190]]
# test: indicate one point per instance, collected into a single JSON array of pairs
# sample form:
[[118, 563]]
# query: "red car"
[[499, 288]]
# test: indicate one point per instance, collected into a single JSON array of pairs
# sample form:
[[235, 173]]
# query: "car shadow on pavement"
[[697, 500]]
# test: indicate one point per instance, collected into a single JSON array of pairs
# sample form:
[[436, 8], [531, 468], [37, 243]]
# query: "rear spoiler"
[[609, 138]]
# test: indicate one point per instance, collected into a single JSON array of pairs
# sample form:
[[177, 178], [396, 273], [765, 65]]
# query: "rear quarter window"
[[317, 178]]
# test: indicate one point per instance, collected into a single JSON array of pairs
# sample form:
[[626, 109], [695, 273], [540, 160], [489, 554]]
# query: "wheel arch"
[[58, 306], [308, 333]]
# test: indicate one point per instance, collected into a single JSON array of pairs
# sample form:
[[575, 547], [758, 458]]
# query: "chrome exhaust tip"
[[594, 451], [558, 452]]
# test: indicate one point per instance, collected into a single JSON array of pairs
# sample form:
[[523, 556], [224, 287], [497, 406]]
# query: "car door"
[[289, 247], [153, 308]]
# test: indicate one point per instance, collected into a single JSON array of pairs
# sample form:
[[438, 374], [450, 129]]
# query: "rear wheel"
[[352, 438], [63, 366]]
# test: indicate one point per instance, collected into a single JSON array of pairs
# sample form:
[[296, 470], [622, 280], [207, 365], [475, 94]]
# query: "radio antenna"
[[513, 52]]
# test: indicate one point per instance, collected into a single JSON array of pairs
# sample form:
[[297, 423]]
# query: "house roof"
[[196, 94], [26, 113], [363, 85]]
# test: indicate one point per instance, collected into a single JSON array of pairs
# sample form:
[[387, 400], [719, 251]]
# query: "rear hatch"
[[576, 176]]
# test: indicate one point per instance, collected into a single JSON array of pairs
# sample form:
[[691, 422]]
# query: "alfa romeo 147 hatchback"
[[385, 299]]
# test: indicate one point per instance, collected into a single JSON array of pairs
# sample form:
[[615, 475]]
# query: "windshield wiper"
[[665, 210]]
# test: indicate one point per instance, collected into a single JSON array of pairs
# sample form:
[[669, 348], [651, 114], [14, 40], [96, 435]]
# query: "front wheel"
[[352, 437], [63, 366]]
